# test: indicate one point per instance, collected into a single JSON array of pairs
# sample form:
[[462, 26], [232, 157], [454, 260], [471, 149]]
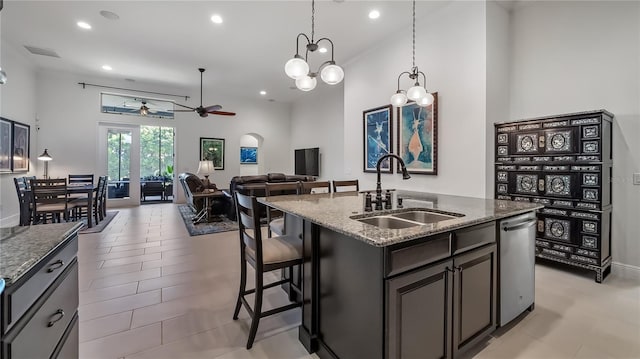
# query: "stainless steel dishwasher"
[[517, 259]]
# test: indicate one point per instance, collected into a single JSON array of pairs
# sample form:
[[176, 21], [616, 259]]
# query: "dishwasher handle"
[[524, 224]]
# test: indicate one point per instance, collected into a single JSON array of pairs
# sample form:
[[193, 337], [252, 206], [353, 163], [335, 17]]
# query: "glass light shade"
[[296, 67], [426, 100], [398, 99], [332, 74], [416, 92], [306, 83]]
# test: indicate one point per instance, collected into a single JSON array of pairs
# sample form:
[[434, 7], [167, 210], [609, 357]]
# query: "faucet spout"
[[405, 176]]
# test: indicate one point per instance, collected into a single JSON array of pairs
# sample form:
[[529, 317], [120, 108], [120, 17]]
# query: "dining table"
[[87, 189]]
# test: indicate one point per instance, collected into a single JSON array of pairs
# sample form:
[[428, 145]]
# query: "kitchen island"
[[38, 308], [417, 281]]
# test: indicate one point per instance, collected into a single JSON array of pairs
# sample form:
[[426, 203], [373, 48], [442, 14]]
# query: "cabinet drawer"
[[474, 237], [39, 337], [401, 259], [20, 300], [69, 346]]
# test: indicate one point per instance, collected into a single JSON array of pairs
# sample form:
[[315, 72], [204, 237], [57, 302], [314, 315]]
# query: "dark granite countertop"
[[334, 210], [22, 247]]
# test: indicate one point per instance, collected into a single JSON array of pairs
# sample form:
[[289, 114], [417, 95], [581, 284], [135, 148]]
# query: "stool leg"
[[257, 309], [243, 287]]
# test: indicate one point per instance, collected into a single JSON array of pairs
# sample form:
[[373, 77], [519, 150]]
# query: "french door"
[[120, 155]]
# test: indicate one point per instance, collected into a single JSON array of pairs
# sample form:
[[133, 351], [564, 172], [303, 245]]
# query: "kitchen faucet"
[[405, 176]]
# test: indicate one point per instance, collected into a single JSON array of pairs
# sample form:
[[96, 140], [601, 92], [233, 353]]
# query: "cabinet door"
[[474, 297], [419, 313]]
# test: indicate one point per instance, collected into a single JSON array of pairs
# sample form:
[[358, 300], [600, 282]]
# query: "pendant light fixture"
[[417, 92], [298, 68]]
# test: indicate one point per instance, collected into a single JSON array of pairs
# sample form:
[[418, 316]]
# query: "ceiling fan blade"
[[183, 110], [212, 108], [192, 108], [222, 113]]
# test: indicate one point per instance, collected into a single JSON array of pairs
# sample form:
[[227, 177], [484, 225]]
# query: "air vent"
[[40, 51]]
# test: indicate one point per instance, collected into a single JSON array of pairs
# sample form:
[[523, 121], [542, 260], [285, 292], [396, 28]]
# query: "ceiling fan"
[[205, 111], [141, 104]]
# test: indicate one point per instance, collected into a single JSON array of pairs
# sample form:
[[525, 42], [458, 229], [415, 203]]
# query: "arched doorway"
[[251, 156]]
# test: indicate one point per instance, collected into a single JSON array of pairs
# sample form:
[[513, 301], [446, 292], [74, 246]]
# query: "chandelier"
[[416, 93], [298, 68]]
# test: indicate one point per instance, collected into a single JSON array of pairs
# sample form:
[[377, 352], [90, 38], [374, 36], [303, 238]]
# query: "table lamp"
[[46, 158], [205, 168]]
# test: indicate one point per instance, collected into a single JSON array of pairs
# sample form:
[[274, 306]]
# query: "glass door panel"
[[120, 155]]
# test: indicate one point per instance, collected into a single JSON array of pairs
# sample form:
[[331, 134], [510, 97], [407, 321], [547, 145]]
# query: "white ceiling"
[[164, 42]]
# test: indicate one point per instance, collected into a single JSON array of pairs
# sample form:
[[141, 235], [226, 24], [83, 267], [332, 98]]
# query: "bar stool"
[[342, 184], [264, 256], [275, 218], [315, 187]]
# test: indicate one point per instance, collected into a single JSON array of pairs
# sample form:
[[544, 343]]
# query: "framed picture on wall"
[[378, 138], [20, 151], [5, 145], [212, 149], [417, 137], [248, 155]]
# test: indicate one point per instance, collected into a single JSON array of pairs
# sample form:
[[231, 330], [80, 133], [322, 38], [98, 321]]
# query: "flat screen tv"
[[307, 161]]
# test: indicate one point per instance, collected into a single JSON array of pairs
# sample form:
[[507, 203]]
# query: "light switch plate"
[[636, 178]]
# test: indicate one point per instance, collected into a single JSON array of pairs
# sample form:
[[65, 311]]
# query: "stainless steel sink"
[[388, 222], [424, 216], [407, 218]]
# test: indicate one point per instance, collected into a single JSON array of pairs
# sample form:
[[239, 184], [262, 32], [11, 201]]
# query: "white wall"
[[317, 121], [17, 102], [578, 56], [498, 82], [451, 51], [69, 116]]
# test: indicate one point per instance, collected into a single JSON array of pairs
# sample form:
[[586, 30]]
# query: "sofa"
[[193, 184], [255, 186]]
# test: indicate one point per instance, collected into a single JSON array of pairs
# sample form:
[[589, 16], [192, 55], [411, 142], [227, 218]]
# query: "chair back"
[[49, 191], [279, 189], [349, 185], [21, 187], [187, 192], [102, 188], [248, 211], [315, 187], [81, 179], [28, 181]]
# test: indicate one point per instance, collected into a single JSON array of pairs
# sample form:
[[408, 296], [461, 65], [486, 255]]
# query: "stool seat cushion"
[[278, 249]]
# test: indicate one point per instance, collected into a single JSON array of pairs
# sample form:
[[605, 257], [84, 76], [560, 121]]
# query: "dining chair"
[[50, 197], [80, 179], [315, 187], [24, 200], [83, 203], [275, 218], [101, 197], [349, 185], [283, 252]]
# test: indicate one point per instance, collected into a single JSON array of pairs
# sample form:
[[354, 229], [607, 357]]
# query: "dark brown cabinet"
[[565, 163], [442, 310]]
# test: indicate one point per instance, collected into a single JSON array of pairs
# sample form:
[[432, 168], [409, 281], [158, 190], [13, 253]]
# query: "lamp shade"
[[205, 168], [306, 83], [45, 156], [332, 74], [426, 100], [296, 68], [398, 99], [416, 92]]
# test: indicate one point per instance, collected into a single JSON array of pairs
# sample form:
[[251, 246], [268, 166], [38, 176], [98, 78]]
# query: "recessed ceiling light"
[[374, 14], [263, 92], [216, 19], [84, 25], [109, 15], [322, 50], [106, 67]]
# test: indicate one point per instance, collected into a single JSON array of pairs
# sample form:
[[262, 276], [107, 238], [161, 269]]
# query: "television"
[[307, 161]]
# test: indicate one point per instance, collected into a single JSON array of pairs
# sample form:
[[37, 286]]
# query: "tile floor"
[[149, 290]]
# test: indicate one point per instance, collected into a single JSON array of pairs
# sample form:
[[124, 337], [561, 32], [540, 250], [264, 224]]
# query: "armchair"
[[193, 184]]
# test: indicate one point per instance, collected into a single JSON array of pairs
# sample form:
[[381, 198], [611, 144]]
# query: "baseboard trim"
[[10, 221], [625, 271]]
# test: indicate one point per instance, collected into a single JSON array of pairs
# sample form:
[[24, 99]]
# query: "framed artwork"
[[20, 149], [417, 137], [378, 138], [212, 149], [249, 155], [5, 145]]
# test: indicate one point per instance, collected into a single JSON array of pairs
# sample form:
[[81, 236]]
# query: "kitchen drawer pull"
[[60, 313], [59, 264]]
